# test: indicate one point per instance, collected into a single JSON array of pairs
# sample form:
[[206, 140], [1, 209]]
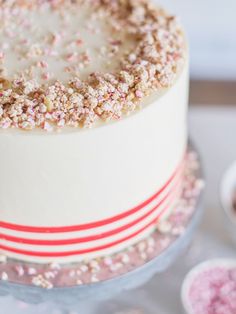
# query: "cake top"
[[73, 63]]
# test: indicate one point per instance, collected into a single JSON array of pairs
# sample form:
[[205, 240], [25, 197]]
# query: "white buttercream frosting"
[[73, 177]]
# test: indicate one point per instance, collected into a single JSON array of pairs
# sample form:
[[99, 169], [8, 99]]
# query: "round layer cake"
[[93, 105]]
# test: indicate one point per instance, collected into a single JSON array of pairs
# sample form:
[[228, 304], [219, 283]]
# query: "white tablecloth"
[[214, 133]]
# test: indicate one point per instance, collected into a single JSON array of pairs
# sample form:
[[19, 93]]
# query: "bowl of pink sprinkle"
[[210, 288], [228, 198]]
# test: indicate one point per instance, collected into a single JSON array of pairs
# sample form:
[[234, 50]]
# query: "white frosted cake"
[[93, 104]]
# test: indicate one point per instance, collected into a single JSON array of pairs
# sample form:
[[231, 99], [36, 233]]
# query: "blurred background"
[[211, 28]]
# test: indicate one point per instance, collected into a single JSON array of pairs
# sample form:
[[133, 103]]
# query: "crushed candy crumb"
[[153, 64]]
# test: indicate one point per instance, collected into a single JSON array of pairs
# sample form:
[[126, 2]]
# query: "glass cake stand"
[[175, 236]]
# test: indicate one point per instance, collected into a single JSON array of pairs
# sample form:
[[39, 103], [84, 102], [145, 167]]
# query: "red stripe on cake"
[[169, 197], [83, 251], [96, 224]]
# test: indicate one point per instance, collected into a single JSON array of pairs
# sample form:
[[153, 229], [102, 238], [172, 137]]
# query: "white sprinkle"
[[132, 57], [108, 261], [4, 276], [48, 127], [125, 259], [70, 91], [139, 94], [49, 275], [142, 246], [42, 108], [94, 266], [200, 184], [164, 227], [115, 267], [55, 266], [72, 273], [31, 271], [144, 256], [61, 123], [20, 270], [79, 282], [94, 279], [84, 268], [40, 281], [178, 231]]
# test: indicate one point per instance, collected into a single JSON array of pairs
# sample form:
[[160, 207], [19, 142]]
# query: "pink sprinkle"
[[43, 64], [139, 94], [1, 55], [176, 56], [108, 261], [115, 42], [5, 124], [214, 292], [79, 42], [85, 57], [46, 76], [71, 57], [31, 271], [61, 123], [56, 38], [19, 270], [51, 52], [47, 127]]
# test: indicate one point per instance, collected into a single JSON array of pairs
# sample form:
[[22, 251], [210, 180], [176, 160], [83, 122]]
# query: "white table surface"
[[214, 133]]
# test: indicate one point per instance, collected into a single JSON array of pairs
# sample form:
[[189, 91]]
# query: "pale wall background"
[[211, 26]]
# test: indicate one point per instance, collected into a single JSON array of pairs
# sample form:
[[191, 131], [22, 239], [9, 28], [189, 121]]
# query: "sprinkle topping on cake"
[[73, 63]]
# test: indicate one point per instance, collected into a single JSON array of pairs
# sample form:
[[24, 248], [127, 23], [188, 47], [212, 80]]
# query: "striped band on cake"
[[96, 237]]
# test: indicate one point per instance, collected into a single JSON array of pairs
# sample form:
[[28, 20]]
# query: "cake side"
[[85, 184], [72, 194]]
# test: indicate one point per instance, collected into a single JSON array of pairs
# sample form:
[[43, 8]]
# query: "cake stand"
[[176, 239]]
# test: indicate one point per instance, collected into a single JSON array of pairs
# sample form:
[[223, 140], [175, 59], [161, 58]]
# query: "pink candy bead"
[[214, 292]]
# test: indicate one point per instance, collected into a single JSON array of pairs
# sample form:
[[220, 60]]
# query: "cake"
[[93, 105]]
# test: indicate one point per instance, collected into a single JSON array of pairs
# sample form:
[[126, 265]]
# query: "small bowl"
[[226, 263], [227, 190]]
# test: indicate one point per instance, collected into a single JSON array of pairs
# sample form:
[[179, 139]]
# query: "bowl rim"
[[227, 186], [199, 268]]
